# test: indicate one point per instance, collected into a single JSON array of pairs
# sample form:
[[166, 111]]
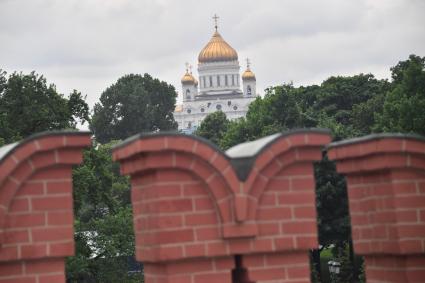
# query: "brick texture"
[[193, 215], [36, 216], [386, 188]]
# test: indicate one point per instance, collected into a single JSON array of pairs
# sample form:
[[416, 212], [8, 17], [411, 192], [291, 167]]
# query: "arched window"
[[211, 84], [203, 79], [218, 80], [248, 90], [226, 83], [218, 107], [233, 79], [187, 94]]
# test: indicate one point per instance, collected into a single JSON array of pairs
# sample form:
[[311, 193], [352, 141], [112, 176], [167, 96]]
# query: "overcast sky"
[[88, 44]]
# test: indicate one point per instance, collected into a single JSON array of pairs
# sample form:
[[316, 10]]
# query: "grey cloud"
[[89, 44]]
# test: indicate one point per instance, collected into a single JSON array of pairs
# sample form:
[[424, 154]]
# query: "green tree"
[[104, 228], [78, 107], [133, 104], [332, 204], [306, 98], [363, 115], [341, 93], [3, 80], [213, 127], [275, 112], [343, 104], [238, 131], [28, 105], [403, 107], [4, 128]]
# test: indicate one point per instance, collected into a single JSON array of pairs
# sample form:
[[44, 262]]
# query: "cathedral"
[[218, 87]]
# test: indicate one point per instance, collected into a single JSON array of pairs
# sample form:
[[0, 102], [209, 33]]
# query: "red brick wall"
[[36, 216], [193, 214], [386, 188]]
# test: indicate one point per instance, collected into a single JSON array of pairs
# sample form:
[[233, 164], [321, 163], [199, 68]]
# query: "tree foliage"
[[104, 228], [133, 104], [213, 127], [403, 106], [29, 105], [275, 112], [343, 104], [332, 204]]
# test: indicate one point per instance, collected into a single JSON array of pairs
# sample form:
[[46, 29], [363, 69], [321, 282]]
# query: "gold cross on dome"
[[190, 68], [215, 21], [187, 66], [248, 63]]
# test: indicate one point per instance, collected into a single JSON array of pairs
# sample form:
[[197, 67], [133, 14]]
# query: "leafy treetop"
[[133, 104], [29, 105]]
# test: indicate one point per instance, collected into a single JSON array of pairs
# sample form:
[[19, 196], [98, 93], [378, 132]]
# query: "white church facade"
[[218, 87]]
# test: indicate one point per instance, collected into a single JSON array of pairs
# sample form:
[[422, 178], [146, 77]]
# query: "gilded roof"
[[248, 74], [188, 78], [216, 50]]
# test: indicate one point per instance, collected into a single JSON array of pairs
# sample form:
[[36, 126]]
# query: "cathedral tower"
[[248, 81], [219, 85], [189, 85]]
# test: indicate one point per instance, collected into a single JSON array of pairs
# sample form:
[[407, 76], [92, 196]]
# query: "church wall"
[[251, 84], [222, 69], [189, 92], [196, 116], [195, 109]]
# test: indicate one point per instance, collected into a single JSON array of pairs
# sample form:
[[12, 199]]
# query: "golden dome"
[[248, 75], [188, 78], [217, 50]]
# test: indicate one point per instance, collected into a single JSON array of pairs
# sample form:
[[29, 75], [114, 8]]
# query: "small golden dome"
[[248, 75], [217, 50], [188, 78]]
